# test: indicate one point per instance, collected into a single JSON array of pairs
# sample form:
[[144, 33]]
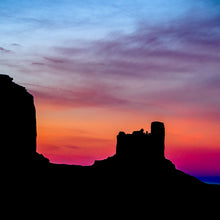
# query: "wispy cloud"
[[171, 64], [2, 49], [93, 96], [180, 47], [181, 59]]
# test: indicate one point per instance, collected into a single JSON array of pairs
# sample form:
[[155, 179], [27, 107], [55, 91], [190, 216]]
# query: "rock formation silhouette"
[[18, 124], [18, 121], [145, 144], [139, 167]]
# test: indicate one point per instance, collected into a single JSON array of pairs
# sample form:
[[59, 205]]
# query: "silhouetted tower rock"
[[17, 122], [140, 147], [158, 137]]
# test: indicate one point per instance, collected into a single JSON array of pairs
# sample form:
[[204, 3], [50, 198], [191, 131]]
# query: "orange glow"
[[80, 136]]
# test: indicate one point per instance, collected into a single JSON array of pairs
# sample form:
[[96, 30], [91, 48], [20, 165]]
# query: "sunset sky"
[[98, 67]]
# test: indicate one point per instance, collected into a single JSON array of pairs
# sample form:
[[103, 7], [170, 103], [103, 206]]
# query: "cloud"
[[54, 60], [16, 45], [93, 96], [4, 50], [72, 147], [150, 51], [175, 64], [38, 64]]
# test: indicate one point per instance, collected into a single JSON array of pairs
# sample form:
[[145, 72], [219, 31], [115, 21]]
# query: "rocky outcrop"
[[17, 124], [141, 147]]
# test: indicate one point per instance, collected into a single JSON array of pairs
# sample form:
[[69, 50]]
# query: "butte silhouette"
[[139, 167]]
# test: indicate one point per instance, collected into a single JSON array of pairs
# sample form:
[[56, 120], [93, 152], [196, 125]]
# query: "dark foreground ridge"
[[139, 167]]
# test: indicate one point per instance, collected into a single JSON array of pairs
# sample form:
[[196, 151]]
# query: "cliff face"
[[18, 122]]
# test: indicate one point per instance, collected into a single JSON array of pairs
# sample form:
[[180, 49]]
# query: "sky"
[[99, 67]]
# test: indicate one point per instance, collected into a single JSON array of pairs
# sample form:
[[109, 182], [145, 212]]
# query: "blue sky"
[[39, 26], [88, 19]]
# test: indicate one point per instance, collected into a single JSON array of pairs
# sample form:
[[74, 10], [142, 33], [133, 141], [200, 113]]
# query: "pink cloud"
[[95, 96]]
